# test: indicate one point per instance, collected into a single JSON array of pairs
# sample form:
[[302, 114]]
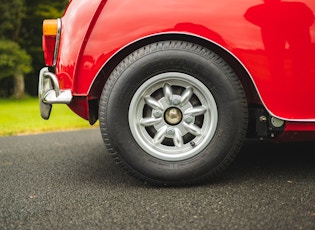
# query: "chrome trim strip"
[[57, 42]]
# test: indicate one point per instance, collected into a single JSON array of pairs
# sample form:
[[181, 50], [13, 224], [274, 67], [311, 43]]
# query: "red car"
[[179, 85]]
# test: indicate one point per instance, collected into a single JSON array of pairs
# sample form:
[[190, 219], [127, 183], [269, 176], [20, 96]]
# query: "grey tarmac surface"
[[67, 180]]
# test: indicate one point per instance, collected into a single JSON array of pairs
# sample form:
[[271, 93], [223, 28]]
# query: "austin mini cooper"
[[178, 86]]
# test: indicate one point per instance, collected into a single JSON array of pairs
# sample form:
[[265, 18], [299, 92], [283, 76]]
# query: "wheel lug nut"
[[157, 113], [176, 101], [170, 131], [188, 119]]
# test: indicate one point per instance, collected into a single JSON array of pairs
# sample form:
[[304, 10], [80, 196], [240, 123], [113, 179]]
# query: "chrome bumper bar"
[[49, 92]]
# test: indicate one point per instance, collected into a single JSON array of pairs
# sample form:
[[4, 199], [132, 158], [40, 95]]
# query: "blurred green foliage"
[[13, 59]]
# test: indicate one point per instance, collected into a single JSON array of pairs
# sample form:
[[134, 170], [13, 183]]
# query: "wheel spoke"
[[195, 111], [154, 104], [167, 90], [160, 135], [186, 95], [193, 129], [178, 139], [150, 121]]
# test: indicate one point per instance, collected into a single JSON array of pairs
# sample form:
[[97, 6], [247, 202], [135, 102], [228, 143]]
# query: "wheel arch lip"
[[110, 63], [221, 46]]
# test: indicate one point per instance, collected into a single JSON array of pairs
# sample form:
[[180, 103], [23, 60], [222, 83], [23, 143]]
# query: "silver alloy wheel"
[[173, 116]]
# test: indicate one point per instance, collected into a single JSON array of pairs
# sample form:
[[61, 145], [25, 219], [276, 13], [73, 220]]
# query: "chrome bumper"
[[49, 92]]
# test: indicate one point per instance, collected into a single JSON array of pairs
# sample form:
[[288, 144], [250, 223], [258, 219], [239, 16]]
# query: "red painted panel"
[[273, 39]]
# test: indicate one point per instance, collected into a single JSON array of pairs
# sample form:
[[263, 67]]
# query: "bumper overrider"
[[49, 92]]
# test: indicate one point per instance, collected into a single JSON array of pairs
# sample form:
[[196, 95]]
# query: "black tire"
[[173, 113]]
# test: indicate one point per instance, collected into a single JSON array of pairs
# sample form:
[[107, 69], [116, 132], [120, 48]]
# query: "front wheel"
[[173, 113]]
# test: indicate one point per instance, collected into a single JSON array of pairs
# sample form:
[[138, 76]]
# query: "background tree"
[[14, 61]]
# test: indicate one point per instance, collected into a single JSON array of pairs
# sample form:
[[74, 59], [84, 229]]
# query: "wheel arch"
[[100, 80]]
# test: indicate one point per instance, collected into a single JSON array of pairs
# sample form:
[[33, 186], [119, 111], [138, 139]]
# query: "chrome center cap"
[[173, 116]]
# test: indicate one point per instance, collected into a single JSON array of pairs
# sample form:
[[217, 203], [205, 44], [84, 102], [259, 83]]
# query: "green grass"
[[23, 117]]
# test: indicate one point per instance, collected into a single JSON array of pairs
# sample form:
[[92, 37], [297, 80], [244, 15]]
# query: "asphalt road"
[[67, 180]]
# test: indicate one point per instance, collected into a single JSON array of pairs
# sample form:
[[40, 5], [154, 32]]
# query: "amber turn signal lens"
[[50, 27]]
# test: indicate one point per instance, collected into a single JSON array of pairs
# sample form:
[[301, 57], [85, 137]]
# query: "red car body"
[[270, 45]]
